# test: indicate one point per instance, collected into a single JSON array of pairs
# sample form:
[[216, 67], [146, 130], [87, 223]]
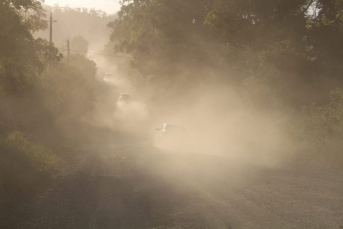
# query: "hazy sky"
[[109, 6]]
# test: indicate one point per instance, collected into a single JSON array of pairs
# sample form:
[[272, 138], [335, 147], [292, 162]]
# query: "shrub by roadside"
[[318, 131], [24, 165]]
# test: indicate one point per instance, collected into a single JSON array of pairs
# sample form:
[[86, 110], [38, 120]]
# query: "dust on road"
[[143, 187]]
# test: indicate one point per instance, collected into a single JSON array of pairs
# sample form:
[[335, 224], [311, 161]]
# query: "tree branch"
[[308, 6]]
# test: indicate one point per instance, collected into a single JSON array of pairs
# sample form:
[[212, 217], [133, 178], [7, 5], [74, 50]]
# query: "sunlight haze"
[[171, 114], [109, 6]]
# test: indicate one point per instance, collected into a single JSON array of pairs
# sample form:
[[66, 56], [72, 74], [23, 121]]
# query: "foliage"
[[278, 55], [21, 56], [160, 36], [38, 93], [69, 90], [80, 44], [23, 164], [320, 129], [292, 37]]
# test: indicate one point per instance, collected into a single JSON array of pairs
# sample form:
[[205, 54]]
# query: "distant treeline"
[[72, 22]]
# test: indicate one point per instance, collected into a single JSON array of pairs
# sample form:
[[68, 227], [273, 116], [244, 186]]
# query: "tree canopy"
[[293, 45], [21, 56], [33, 74]]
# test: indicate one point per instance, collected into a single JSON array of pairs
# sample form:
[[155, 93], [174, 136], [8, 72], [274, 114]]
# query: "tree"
[[80, 44], [162, 35], [291, 46], [21, 56]]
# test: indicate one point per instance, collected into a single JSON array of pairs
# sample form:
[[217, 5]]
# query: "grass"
[[24, 165]]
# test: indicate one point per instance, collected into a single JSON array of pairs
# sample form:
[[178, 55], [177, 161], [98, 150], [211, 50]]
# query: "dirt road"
[[143, 187]]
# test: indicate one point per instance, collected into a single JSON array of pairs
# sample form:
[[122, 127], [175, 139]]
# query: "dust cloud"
[[216, 118], [218, 127], [132, 116]]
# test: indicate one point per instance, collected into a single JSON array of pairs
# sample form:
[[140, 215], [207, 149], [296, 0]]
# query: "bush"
[[68, 91], [24, 165], [319, 129]]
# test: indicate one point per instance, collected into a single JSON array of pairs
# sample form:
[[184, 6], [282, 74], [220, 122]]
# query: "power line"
[[60, 31], [60, 35], [102, 54]]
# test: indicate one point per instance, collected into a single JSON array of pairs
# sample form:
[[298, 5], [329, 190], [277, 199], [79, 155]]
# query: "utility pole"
[[68, 50], [62, 47], [51, 21], [50, 29]]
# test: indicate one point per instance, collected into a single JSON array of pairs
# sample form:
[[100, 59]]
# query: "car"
[[171, 136], [108, 76], [90, 56], [124, 98]]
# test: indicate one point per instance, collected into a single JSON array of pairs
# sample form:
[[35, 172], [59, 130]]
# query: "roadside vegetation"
[[25, 165], [42, 100]]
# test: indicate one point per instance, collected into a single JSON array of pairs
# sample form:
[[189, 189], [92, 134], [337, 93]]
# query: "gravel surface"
[[142, 187]]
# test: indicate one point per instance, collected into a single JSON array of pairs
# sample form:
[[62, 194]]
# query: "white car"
[[124, 98], [108, 76], [171, 136]]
